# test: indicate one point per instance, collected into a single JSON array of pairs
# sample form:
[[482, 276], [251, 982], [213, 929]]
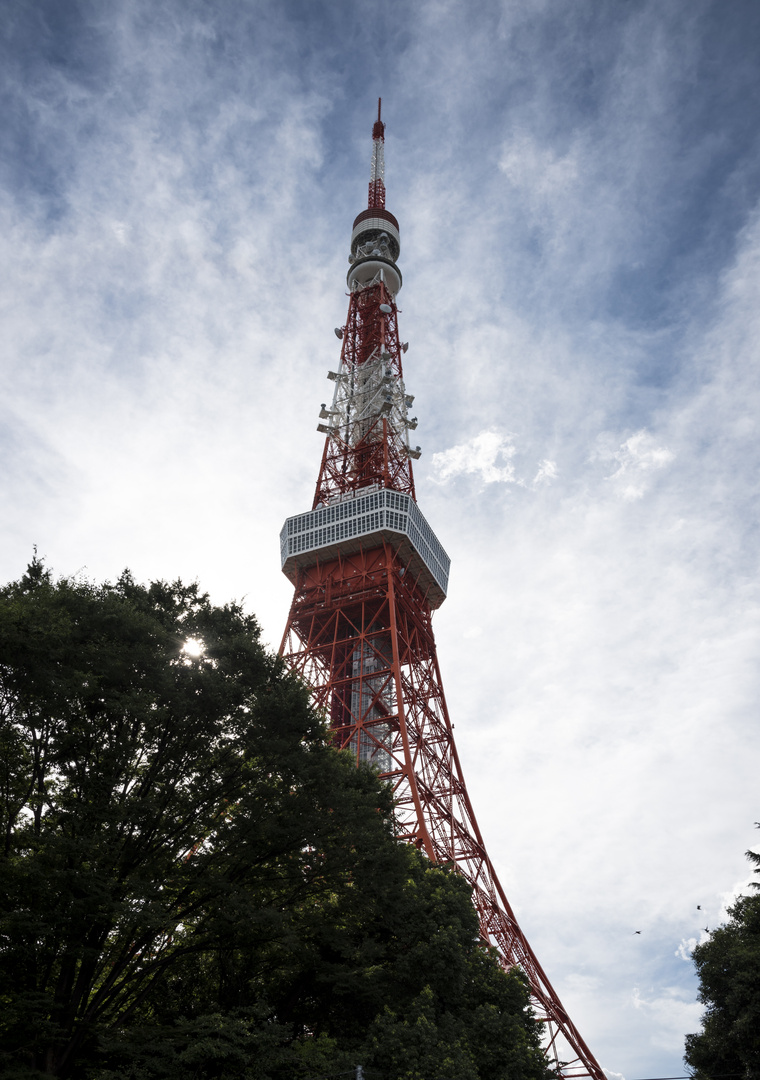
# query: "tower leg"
[[360, 634]]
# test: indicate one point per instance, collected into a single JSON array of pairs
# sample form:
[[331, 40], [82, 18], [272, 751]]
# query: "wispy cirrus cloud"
[[581, 251]]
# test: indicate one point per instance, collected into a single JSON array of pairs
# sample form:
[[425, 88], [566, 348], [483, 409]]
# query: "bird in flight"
[[637, 931]]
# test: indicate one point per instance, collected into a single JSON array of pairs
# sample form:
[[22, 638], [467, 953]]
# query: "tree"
[[193, 883], [728, 965]]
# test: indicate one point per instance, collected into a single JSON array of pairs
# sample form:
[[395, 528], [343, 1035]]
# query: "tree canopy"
[[195, 884], [728, 965]]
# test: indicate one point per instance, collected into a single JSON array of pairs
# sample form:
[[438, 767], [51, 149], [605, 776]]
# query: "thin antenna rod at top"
[[377, 169]]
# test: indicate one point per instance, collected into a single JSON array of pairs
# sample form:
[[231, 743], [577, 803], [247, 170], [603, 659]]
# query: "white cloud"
[[547, 471], [686, 948], [730, 896], [670, 1014], [545, 179], [487, 456], [638, 458]]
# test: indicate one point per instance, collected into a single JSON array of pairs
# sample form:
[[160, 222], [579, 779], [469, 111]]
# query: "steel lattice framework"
[[368, 572]]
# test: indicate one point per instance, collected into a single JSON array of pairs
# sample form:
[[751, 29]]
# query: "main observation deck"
[[363, 521]]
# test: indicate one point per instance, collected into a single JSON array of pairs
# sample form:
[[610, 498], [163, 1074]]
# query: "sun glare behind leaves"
[[193, 647]]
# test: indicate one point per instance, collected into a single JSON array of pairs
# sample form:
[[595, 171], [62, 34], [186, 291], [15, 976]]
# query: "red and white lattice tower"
[[368, 573]]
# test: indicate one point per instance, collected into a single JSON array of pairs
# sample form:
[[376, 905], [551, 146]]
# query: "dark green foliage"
[[193, 884], [729, 974]]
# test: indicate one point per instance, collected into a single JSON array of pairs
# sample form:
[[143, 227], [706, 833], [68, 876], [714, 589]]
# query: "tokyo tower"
[[368, 573]]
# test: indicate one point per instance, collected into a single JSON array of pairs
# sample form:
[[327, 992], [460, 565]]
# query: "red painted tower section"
[[368, 573]]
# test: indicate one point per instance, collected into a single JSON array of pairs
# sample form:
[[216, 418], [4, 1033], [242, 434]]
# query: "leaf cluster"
[[728, 965], [193, 883]]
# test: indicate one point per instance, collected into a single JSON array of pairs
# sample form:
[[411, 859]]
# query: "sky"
[[577, 185]]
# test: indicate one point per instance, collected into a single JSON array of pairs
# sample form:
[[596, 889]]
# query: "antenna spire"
[[377, 168]]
